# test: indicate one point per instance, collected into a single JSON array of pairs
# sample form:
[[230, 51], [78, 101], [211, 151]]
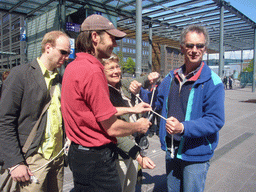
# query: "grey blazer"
[[23, 98]]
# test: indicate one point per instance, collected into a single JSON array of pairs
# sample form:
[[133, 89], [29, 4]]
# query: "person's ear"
[[95, 37], [205, 50], [47, 48], [182, 49]]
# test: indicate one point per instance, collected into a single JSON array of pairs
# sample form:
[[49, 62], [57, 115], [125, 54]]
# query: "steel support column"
[[221, 47], [242, 60], [254, 62], [138, 37], [62, 24], [150, 40], [62, 16]]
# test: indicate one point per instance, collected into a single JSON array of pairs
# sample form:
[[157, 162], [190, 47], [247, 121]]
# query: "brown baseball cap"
[[98, 22]]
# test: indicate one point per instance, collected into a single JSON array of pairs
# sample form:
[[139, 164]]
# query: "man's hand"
[[21, 173], [141, 108], [153, 77], [143, 125], [145, 162], [173, 126], [135, 87]]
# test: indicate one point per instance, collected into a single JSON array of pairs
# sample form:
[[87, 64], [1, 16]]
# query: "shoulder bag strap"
[[33, 131]]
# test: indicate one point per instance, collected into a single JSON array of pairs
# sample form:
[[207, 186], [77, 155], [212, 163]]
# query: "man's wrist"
[[12, 168], [137, 127], [131, 110], [15, 166]]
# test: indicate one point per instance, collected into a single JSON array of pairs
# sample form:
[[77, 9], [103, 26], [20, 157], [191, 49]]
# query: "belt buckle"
[[83, 148]]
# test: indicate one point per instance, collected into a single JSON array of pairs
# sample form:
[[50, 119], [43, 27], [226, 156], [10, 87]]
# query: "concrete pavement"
[[233, 166]]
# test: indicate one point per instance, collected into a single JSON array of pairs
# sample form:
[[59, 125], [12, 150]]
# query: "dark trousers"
[[94, 169]]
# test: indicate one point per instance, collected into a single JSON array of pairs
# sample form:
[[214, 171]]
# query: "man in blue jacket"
[[192, 101]]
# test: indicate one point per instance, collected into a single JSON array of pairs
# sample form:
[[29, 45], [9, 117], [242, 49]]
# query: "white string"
[[172, 148], [132, 118], [50, 160], [152, 97], [158, 114], [152, 109], [172, 143]]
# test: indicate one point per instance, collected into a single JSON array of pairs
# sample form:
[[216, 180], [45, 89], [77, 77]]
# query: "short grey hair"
[[113, 57], [195, 28]]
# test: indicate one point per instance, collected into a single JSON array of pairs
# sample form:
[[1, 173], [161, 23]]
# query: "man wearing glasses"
[[192, 101], [25, 93]]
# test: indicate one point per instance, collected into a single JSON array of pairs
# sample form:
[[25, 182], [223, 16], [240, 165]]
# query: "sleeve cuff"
[[182, 132]]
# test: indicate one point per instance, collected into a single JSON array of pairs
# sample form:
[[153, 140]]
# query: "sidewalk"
[[233, 166]]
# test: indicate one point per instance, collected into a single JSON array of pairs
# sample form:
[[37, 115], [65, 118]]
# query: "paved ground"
[[233, 167]]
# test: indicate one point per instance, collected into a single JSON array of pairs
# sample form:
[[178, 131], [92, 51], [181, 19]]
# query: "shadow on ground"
[[158, 181], [249, 101]]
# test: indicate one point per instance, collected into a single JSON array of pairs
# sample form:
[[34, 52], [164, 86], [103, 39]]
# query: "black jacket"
[[23, 98]]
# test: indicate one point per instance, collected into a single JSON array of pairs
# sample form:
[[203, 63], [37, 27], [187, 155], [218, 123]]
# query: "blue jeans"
[[185, 176], [94, 170]]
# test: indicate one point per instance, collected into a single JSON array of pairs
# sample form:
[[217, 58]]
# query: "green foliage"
[[121, 59], [129, 67], [250, 67]]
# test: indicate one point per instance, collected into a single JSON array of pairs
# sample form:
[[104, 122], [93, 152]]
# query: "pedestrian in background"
[[4, 76], [230, 82], [225, 82]]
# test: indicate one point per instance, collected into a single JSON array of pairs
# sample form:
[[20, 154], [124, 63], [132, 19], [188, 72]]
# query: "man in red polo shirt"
[[88, 114]]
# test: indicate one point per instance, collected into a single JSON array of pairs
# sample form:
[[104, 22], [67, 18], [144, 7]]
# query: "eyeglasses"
[[198, 46], [63, 52], [111, 69]]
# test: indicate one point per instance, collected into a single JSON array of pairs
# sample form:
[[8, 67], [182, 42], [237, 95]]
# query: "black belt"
[[109, 145]]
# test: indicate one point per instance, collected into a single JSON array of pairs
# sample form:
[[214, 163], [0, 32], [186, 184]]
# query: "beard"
[[104, 50], [104, 54]]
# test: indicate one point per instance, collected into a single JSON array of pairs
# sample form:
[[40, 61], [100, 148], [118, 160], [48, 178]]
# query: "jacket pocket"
[[197, 146]]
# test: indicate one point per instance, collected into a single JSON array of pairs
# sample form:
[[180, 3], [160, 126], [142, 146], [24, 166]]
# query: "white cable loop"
[[172, 143], [50, 160]]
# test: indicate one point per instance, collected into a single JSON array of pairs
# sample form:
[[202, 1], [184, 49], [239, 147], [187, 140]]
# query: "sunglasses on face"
[[198, 46], [63, 52]]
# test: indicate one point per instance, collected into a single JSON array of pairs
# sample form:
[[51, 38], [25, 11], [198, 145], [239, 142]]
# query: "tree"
[[121, 60], [129, 67], [250, 67]]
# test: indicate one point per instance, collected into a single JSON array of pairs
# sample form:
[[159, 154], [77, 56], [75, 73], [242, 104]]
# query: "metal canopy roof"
[[167, 17]]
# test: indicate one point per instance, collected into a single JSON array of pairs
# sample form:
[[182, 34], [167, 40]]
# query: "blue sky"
[[247, 7]]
